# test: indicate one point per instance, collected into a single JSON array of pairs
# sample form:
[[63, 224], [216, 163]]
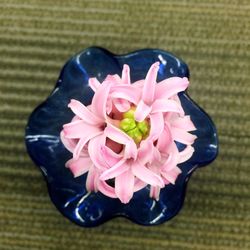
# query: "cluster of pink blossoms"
[[126, 138]]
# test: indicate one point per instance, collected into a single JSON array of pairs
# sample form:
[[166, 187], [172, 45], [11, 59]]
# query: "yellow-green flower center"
[[136, 130]]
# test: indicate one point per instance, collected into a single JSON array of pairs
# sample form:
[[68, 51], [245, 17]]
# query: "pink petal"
[[156, 155], [113, 79], [98, 106], [78, 129], [94, 84], [91, 180], [109, 156], [182, 136], [186, 154], [170, 87], [79, 147], [119, 136], [84, 113], [95, 152], [165, 139], [148, 153], [156, 125], [107, 190], [146, 175], [124, 186], [155, 192], [70, 144], [172, 159], [166, 182], [115, 116], [149, 85], [139, 185], [145, 152], [126, 74], [127, 92], [165, 105], [142, 111], [171, 175], [109, 106], [184, 123], [139, 84], [80, 166], [121, 105], [113, 146], [119, 168]]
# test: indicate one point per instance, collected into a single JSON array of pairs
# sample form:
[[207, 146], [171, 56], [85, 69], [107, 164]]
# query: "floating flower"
[[131, 125], [127, 135]]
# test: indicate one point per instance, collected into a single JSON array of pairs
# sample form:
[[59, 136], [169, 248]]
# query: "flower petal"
[[172, 159], [156, 125], [186, 154], [148, 91], [79, 146], [109, 156], [146, 175], [107, 190], [183, 123], [94, 84], [156, 155], [119, 136], [139, 184], [182, 136], [119, 168], [70, 144], [124, 186], [165, 139], [95, 151], [78, 129], [139, 84], [171, 86], [109, 106], [113, 79], [171, 175], [142, 111], [98, 106], [84, 113], [121, 105], [154, 192], [145, 152], [91, 179], [127, 92], [148, 153], [114, 147], [80, 166], [126, 74], [164, 105]]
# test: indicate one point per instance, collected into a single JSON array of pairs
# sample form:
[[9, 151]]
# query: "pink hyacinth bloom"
[[126, 138]]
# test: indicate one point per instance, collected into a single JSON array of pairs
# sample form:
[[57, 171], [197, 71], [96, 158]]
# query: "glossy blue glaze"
[[47, 151]]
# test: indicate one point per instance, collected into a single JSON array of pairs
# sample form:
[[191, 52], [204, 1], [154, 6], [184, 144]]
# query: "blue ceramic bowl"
[[47, 151]]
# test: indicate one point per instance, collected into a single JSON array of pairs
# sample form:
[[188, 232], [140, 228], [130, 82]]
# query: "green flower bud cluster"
[[136, 130]]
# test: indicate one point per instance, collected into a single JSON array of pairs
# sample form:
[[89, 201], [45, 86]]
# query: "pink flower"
[[126, 139]]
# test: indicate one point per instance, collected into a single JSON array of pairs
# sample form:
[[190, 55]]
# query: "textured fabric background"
[[212, 37]]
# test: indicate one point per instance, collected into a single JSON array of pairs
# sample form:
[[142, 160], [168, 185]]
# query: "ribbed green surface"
[[212, 36]]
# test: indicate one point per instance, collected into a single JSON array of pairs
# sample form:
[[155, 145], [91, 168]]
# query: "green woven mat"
[[213, 37]]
